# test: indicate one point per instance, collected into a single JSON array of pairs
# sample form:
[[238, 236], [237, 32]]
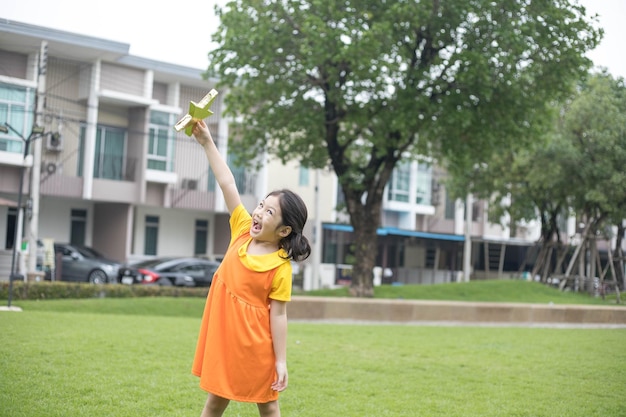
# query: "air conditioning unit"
[[54, 142], [50, 168], [189, 184]]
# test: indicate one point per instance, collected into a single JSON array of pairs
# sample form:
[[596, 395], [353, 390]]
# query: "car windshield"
[[149, 263], [88, 252]]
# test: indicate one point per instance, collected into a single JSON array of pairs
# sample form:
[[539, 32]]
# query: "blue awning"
[[393, 231]]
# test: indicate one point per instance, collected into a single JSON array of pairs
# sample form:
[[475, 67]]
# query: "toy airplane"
[[197, 111]]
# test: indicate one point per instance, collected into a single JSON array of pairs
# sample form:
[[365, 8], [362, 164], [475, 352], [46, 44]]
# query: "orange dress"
[[234, 355]]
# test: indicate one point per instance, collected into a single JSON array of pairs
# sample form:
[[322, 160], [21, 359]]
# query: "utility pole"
[[314, 283], [33, 221], [467, 245]]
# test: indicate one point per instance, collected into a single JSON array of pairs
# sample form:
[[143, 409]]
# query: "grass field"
[[488, 290], [132, 357]]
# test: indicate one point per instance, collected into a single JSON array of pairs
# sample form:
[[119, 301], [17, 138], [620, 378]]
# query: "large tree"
[[594, 123], [576, 168], [361, 85]]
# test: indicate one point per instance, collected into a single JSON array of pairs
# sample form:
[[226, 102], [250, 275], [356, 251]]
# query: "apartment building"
[[422, 234], [109, 171], [91, 131]]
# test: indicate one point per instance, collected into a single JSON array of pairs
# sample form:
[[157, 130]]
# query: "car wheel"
[[165, 282], [97, 277]]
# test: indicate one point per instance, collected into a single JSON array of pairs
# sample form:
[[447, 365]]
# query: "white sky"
[[181, 33]]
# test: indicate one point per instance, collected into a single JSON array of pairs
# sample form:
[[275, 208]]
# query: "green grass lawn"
[[132, 357], [489, 290]]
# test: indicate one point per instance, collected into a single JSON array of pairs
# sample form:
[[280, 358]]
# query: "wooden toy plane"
[[197, 111]]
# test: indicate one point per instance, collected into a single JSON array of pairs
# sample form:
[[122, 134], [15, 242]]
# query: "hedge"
[[46, 290]]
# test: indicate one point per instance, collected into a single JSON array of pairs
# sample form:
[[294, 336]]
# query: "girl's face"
[[267, 221]]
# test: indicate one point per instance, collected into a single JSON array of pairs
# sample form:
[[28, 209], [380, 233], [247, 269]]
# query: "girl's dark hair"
[[294, 214]]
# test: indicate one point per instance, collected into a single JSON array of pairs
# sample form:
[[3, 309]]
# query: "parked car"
[[84, 264], [182, 272]]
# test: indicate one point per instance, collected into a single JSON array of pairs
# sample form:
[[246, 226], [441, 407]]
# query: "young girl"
[[242, 346]]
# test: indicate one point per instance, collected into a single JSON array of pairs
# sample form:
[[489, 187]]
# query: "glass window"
[[161, 140], [81, 147], [16, 108], [109, 155], [239, 173], [201, 236], [476, 210], [211, 183], [398, 187], [424, 184], [304, 176], [151, 235], [241, 178], [450, 207]]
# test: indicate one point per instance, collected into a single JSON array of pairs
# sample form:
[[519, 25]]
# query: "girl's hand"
[[201, 133], [281, 377]]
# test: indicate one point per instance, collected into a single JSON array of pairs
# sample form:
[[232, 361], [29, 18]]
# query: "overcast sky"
[[181, 33]]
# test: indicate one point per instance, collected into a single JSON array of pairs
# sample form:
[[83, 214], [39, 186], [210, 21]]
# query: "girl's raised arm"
[[222, 172]]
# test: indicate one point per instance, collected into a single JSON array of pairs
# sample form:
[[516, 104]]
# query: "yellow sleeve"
[[281, 284], [240, 222]]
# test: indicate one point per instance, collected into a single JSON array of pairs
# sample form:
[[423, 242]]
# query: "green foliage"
[[362, 85], [104, 362], [166, 306], [594, 124], [575, 167], [46, 290]]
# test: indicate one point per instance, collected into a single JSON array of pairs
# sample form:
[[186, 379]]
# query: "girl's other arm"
[[222, 172], [278, 325]]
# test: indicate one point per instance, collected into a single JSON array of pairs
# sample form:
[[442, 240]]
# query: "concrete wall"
[[407, 311]]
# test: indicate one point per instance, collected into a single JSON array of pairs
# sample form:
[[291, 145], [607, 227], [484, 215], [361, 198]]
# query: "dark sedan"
[[182, 272], [84, 264]]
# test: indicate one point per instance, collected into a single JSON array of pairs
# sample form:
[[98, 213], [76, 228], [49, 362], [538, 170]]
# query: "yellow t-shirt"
[[240, 223]]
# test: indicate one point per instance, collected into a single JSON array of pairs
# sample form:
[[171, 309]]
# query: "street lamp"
[[36, 132]]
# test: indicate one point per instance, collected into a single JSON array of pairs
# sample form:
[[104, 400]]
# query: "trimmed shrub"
[[46, 290]]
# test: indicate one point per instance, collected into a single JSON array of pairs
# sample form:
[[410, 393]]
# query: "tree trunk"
[[365, 253], [561, 254], [365, 219], [547, 262], [543, 252]]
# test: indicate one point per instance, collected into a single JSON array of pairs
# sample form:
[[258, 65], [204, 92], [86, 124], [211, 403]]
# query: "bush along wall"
[[55, 290]]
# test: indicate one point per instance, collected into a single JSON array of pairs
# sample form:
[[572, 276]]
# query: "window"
[[16, 108], [450, 207], [398, 189], [161, 139], [424, 184], [78, 227], [304, 176], [151, 235], [341, 198], [211, 181], [242, 178], [240, 174], [476, 210], [109, 156], [201, 235]]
